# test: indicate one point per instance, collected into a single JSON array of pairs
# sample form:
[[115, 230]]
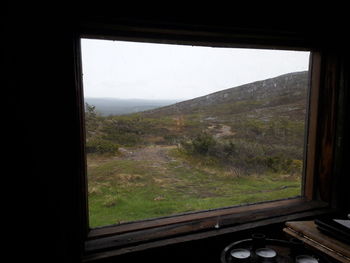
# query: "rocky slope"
[[279, 91]]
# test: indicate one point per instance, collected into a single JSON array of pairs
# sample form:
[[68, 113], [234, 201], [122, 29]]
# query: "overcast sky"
[[121, 69]]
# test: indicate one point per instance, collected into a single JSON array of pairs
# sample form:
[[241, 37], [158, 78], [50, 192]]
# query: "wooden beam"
[[311, 154], [100, 256], [214, 220]]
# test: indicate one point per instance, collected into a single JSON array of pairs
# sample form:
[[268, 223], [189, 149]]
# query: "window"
[[111, 138], [173, 129]]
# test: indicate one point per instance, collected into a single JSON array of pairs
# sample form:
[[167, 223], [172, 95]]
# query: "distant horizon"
[[126, 70], [116, 98], [183, 99]]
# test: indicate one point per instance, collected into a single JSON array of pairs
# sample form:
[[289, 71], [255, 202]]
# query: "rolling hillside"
[[237, 146], [287, 91], [270, 111]]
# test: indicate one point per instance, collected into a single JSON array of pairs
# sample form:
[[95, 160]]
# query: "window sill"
[[116, 240]]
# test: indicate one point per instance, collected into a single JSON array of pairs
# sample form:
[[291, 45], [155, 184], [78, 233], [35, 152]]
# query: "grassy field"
[[156, 181], [230, 148], [142, 168]]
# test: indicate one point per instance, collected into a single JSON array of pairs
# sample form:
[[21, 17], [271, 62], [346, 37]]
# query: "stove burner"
[[260, 249], [266, 254], [240, 255], [305, 259]]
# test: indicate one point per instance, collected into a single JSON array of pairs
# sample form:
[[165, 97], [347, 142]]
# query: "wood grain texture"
[[226, 216], [310, 148], [327, 128], [308, 233], [217, 222]]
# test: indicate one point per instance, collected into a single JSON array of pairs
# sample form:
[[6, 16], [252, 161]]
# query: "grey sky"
[[121, 69]]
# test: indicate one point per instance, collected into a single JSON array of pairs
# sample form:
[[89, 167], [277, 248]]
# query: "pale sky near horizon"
[[131, 70]]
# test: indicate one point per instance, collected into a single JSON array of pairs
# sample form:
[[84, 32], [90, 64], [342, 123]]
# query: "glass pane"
[[172, 129]]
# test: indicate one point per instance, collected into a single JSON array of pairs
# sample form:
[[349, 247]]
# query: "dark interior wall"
[[41, 119], [40, 116]]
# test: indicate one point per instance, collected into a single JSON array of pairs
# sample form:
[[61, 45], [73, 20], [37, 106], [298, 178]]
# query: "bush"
[[101, 146], [246, 156], [284, 165], [126, 132], [202, 144]]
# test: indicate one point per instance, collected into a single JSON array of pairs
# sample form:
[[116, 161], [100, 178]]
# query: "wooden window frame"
[[109, 241]]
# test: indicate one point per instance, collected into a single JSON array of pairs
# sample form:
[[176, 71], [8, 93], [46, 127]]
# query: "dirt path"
[[224, 130], [155, 153]]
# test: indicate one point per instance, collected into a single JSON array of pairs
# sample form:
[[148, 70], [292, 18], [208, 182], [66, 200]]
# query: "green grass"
[[123, 190], [247, 165]]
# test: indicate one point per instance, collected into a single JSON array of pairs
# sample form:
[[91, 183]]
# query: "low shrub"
[[246, 156], [203, 143], [101, 146]]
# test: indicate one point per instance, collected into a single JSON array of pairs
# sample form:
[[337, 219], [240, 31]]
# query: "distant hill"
[[114, 106], [275, 95], [283, 90], [262, 122]]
